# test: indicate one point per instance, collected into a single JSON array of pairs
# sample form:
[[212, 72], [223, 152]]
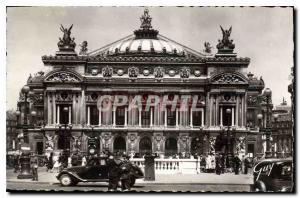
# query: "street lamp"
[[267, 129], [25, 158]]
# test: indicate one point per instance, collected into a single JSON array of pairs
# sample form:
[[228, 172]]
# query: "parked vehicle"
[[273, 175], [96, 170]]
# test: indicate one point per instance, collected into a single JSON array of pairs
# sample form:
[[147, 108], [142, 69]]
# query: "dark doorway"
[[227, 116], [63, 142], [39, 148], [171, 146], [119, 144], [145, 145]]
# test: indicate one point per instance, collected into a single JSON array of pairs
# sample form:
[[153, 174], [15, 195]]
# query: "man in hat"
[[236, 164], [113, 172], [34, 167], [125, 175]]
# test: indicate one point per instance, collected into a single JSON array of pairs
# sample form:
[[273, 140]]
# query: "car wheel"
[[259, 186], [66, 180]]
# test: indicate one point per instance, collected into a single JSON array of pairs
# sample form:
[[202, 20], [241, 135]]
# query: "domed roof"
[[146, 42], [145, 45]]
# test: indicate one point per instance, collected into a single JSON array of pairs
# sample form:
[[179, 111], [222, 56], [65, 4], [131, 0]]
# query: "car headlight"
[[284, 189]]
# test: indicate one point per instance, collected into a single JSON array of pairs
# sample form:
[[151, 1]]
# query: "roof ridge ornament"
[[226, 45], [146, 20], [146, 30]]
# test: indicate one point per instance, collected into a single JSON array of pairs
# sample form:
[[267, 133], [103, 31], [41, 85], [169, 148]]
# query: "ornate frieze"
[[228, 78], [63, 77], [63, 97]]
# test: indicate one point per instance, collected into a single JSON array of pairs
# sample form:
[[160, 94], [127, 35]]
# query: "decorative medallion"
[[197, 73], [172, 73], [120, 72], [146, 72], [94, 72], [159, 72], [133, 72], [185, 72], [107, 71]]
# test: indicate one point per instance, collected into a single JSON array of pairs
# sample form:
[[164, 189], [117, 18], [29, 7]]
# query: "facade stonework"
[[146, 63]]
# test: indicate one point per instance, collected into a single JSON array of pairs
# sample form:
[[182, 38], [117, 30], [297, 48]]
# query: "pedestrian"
[[203, 164], [125, 175], [57, 164], [50, 162], [83, 161], [218, 164], [247, 165], [69, 161], [213, 163], [236, 164], [222, 163], [34, 167], [16, 162], [208, 163], [113, 173]]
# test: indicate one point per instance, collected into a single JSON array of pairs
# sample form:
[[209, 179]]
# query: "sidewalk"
[[202, 178]]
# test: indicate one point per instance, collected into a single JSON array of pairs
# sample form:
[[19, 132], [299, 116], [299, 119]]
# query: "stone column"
[[140, 116], [58, 114], [166, 119], [217, 115], [191, 117], [70, 114], [74, 116], [125, 121], [151, 117], [49, 118], [176, 117], [202, 117], [221, 116], [210, 110], [100, 115], [82, 109], [243, 112], [114, 116], [54, 108], [232, 116], [237, 111], [88, 115]]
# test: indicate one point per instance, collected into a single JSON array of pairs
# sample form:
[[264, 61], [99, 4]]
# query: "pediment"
[[63, 76], [229, 78]]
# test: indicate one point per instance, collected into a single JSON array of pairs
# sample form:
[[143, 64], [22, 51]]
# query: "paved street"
[[175, 182]]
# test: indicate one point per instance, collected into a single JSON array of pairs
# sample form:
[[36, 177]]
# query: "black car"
[[273, 175], [96, 170]]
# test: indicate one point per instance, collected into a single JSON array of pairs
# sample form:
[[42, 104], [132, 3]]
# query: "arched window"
[[171, 146], [119, 144], [145, 145]]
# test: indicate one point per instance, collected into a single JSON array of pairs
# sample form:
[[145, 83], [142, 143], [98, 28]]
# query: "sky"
[[263, 34]]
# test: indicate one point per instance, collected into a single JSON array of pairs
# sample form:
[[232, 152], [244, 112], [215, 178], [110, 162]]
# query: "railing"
[[171, 166]]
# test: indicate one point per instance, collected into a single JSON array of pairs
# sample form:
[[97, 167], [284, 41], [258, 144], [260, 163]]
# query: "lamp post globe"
[[259, 116], [25, 89], [65, 109], [268, 92], [18, 113], [228, 111], [33, 113]]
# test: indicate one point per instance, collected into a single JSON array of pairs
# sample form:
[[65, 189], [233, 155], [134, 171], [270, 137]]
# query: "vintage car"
[[273, 175], [96, 170]]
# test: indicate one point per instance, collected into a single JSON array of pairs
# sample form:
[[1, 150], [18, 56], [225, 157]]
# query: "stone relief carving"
[[133, 72], [83, 49], [49, 142], [76, 143], [252, 100], [107, 72], [228, 79], [240, 144], [64, 96], [159, 72], [185, 72], [63, 77]]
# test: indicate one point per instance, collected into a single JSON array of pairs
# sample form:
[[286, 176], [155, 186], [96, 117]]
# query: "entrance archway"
[[119, 144], [145, 146], [171, 146]]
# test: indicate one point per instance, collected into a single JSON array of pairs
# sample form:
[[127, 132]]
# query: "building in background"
[[12, 143], [69, 118]]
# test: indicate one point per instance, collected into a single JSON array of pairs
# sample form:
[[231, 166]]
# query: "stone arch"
[[145, 145], [171, 146], [63, 75], [228, 78], [119, 144]]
